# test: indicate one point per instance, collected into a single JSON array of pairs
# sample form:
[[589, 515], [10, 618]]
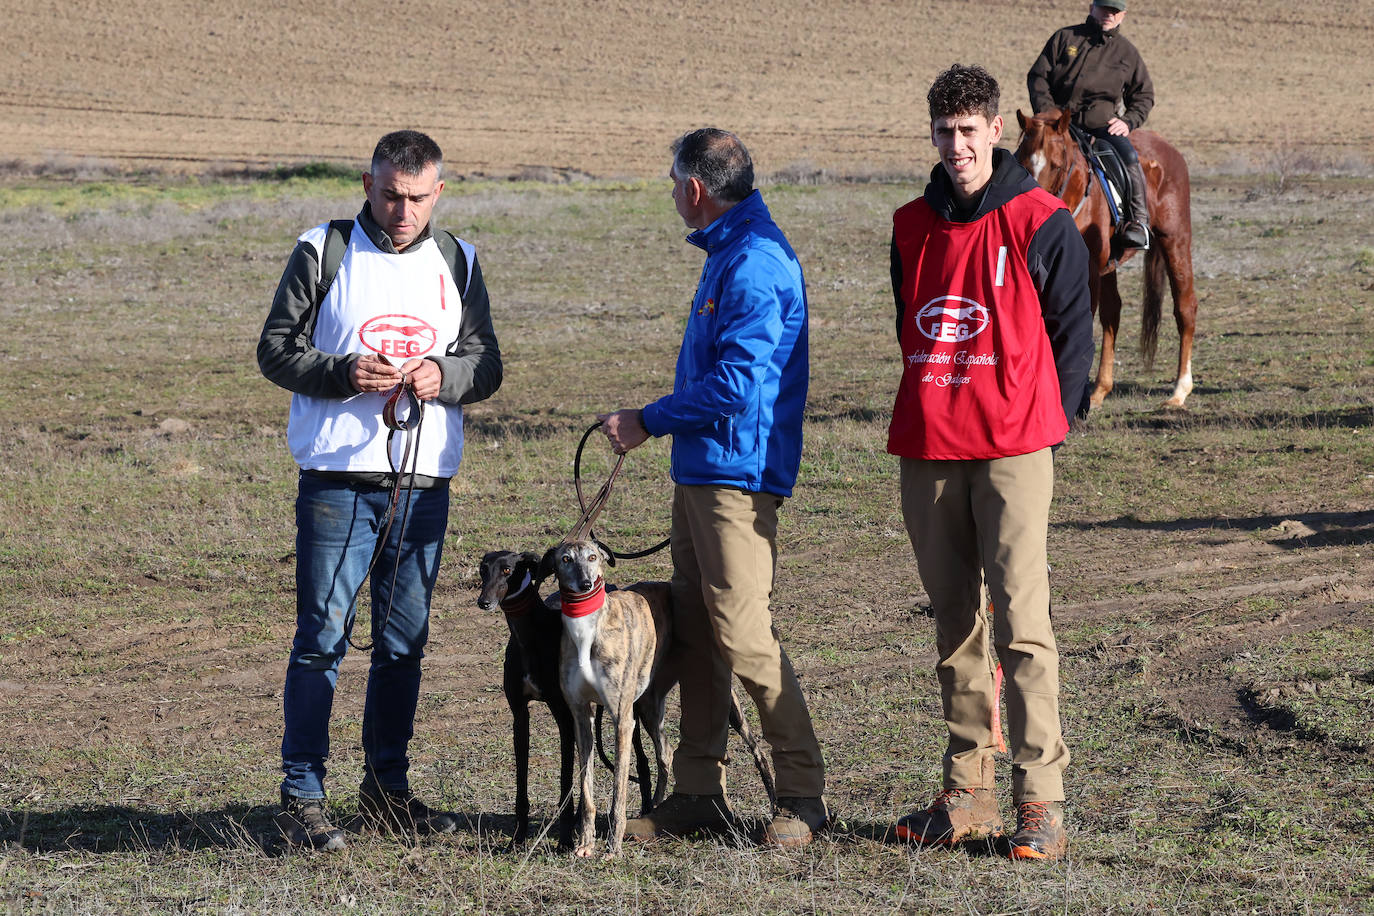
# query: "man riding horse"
[[1094, 71]]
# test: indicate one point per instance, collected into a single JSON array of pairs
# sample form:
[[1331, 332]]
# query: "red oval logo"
[[952, 319], [398, 337]]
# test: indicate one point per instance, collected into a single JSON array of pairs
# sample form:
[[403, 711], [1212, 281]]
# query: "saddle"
[[1108, 168]]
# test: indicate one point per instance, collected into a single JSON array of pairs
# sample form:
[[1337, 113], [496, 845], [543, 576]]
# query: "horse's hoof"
[[1173, 404], [583, 852]]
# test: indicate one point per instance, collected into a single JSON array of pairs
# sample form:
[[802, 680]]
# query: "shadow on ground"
[[1292, 531]]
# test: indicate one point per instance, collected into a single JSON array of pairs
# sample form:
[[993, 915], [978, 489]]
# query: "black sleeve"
[[1038, 78], [1138, 95], [1058, 261], [472, 363], [286, 355], [897, 284]]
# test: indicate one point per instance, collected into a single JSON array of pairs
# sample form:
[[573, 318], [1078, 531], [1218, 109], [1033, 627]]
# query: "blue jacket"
[[735, 413]]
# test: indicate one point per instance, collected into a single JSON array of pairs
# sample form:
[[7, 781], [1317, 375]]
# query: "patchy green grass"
[[1211, 567]]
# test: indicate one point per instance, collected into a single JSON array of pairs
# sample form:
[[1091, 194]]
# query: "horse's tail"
[[1152, 304]]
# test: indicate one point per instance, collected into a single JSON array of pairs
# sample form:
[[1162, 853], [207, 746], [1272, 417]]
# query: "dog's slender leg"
[[741, 727], [586, 832], [646, 785], [520, 712], [649, 713], [654, 724], [624, 739], [567, 746]]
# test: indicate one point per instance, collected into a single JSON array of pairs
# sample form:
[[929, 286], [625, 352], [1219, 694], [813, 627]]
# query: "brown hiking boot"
[[1039, 831], [401, 812], [797, 820], [682, 814], [954, 816], [304, 823]]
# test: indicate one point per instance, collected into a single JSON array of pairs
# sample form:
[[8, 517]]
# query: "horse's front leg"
[[1108, 301]]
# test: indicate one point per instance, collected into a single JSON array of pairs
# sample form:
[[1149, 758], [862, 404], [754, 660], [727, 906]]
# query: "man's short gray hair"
[[409, 152], [718, 160]]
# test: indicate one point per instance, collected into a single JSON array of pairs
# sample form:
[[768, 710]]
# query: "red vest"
[[978, 375]]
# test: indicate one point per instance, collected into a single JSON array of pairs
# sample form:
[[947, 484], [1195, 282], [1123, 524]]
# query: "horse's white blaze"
[[1037, 164]]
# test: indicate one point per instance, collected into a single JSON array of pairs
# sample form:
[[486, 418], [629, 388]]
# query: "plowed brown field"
[[601, 88]]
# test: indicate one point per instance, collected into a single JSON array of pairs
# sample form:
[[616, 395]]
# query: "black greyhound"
[[530, 673]]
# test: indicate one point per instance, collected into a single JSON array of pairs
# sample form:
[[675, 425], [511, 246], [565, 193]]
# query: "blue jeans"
[[338, 525]]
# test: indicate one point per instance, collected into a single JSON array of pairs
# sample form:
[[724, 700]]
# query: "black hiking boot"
[[401, 812], [682, 814], [304, 824]]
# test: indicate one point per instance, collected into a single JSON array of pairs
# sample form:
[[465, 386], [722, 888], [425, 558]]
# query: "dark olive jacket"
[[1089, 72]]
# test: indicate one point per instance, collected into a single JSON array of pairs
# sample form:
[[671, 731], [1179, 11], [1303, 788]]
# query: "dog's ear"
[[546, 565], [607, 556]]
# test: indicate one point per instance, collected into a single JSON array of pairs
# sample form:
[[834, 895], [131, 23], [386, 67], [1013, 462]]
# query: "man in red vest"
[[990, 277]]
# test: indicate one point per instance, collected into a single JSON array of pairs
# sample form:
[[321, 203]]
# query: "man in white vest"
[[382, 330]]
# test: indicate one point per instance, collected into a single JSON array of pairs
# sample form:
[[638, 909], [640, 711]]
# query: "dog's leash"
[[410, 452], [584, 526]]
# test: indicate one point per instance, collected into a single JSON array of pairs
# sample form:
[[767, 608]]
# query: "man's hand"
[[1118, 128], [624, 428], [425, 377], [373, 373]]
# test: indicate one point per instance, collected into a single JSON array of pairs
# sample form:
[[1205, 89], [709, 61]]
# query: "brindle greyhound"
[[612, 644], [530, 673]]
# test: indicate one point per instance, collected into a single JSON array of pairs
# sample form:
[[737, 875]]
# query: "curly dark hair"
[[963, 90]]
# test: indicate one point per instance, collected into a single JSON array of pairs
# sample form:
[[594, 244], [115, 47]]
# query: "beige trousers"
[[976, 523], [724, 544]]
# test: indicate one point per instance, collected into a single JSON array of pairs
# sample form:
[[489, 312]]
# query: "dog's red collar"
[[588, 603], [519, 604]]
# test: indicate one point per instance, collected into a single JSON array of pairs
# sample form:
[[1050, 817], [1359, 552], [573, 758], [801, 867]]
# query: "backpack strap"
[[335, 244], [457, 257], [455, 253]]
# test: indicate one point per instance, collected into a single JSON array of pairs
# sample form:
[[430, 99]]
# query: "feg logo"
[[952, 319], [399, 336]]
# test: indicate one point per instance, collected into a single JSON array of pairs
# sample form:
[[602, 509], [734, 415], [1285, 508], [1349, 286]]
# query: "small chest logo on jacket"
[[401, 336], [952, 319], [707, 308]]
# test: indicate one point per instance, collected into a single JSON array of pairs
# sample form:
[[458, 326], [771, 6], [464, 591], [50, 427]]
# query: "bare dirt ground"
[[601, 88]]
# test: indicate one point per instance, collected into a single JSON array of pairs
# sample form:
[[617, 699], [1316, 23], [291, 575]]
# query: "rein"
[[584, 526], [1064, 185], [410, 452]]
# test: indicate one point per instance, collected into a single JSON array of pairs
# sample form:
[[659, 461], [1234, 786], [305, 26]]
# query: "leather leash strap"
[[583, 528], [410, 453]]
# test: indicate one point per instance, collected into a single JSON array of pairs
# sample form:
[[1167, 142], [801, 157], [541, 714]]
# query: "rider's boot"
[[1134, 230]]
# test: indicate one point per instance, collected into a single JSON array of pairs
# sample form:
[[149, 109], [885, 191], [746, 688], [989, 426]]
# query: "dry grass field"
[[600, 88], [1213, 578]]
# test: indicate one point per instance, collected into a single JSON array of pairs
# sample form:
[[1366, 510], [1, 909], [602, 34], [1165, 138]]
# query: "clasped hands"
[[373, 372]]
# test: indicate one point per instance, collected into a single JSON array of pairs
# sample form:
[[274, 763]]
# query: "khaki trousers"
[[976, 523], [724, 544]]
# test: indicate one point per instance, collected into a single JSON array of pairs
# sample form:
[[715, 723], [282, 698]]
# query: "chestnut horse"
[[1051, 154]]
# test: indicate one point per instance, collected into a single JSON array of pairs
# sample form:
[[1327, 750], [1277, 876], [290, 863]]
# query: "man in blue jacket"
[[735, 416]]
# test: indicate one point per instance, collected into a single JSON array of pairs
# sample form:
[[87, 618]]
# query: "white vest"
[[400, 306]]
